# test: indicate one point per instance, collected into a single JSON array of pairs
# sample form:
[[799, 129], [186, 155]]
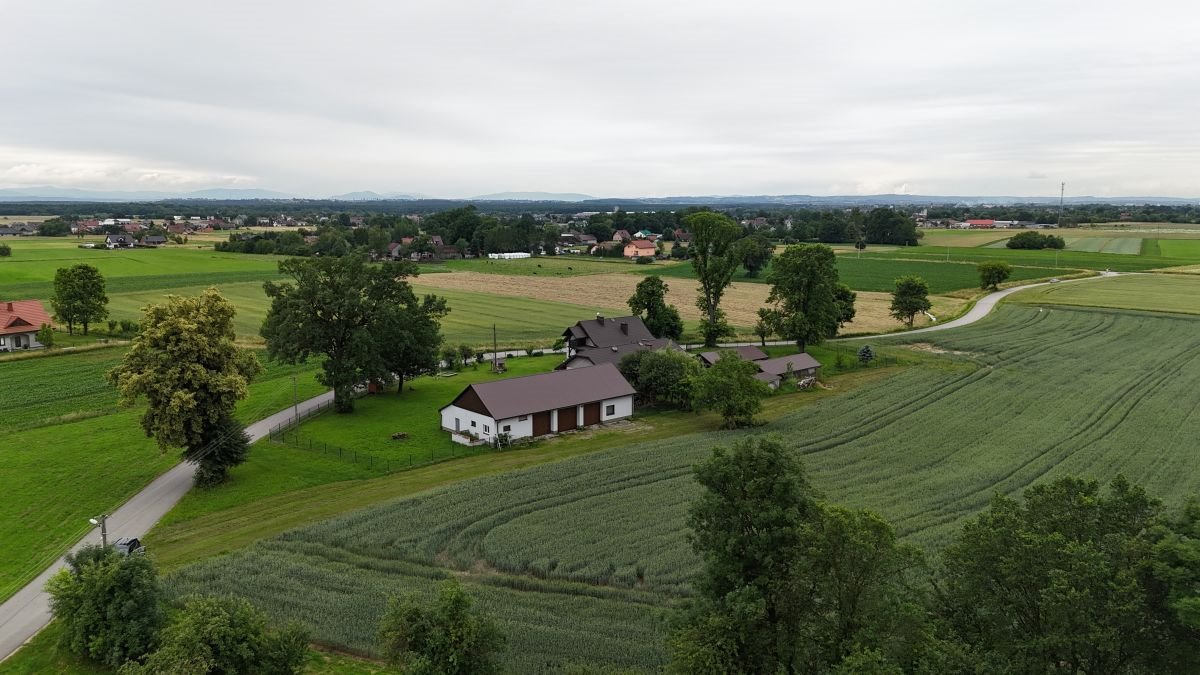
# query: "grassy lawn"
[[69, 453], [1151, 292]]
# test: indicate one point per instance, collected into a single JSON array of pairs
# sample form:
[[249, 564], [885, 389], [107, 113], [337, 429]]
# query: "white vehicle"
[[87, 246]]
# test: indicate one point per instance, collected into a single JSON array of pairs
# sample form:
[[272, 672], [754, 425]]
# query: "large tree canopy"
[[1077, 580], [363, 318], [910, 298], [649, 300], [79, 296], [185, 363], [713, 259], [889, 226], [809, 303]]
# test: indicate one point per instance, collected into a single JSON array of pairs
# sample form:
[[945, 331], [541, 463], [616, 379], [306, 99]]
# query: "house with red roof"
[[20, 321], [640, 248]]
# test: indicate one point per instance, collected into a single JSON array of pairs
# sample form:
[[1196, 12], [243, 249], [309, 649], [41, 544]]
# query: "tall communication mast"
[[1062, 191]]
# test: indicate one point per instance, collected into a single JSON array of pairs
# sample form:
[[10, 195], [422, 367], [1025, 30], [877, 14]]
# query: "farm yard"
[[1015, 399]]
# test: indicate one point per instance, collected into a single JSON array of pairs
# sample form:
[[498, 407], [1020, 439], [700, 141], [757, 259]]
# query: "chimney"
[[625, 327], [600, 318], [10, 307]]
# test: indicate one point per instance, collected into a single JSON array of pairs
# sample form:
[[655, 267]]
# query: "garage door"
[[591, 414], [541, 423], [567, 419]]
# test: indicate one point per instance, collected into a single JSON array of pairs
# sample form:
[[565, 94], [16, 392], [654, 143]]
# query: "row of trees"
[[1072, 579]]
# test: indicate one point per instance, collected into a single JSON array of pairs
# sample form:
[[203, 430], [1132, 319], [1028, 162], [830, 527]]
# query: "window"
[[522, 418], [472, 422], [487, 429], [507, 428], [610, 410]]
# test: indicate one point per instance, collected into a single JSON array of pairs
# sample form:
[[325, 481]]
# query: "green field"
[[875, 273], [64, 436], [555, 266], [579, 559], [29, 273], [1150, 292]]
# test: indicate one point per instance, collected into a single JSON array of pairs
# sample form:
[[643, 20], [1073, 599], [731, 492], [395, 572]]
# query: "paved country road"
[[27, 612]]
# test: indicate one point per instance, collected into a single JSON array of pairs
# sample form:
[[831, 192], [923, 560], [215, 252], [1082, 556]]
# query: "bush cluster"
[[1036, 240]]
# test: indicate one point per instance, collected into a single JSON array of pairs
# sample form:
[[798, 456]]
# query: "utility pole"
[[102, 521], [1062, 191], [295, 400], [495, 358]]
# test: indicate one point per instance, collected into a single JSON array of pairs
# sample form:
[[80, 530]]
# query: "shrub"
[[5, 250], [224, 635], [45, 335], [450, 638], [643, 260], [109, 605], [663, 376]]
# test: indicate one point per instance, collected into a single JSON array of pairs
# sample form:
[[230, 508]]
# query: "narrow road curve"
[[28, 611]]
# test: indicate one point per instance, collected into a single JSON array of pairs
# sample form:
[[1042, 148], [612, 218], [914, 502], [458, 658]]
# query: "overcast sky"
[[613, 98]]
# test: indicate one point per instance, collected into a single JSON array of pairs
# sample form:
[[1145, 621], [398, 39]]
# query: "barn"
[[538, 405]]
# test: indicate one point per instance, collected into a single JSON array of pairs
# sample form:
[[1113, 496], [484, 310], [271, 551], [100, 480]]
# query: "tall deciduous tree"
[[888, 226], [108, 606], [185, 363], [1071, 581], [992, 274], [790, 585], [730, 387], [910, 298], [754, 252], [713, 259], [79, 296], [449, 638], [365, 319], [809, 303], [649, 300]]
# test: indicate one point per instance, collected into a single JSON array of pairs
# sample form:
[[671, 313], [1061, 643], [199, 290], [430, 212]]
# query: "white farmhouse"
[[537, 405]]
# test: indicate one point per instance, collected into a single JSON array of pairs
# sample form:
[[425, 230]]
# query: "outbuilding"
[[538, 405]]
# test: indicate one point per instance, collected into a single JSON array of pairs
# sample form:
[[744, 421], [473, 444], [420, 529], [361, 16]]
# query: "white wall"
[[624, 408], [466, 417], [520, 429]]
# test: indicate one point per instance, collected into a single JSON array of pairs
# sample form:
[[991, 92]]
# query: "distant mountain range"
[[50, 193], [369, 196]]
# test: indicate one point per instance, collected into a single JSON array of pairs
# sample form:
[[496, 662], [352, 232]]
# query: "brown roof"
[[526, 395], [779, 365], [594, 356], [641, 243], [602, 332], [746, 353], [22, 316]]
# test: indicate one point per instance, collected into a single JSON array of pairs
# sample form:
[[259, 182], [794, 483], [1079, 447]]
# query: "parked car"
[[129, 546]]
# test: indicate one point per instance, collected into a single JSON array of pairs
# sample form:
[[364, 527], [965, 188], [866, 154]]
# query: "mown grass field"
[[581, 558], [1150, 292], [873, 272], [70, 453]]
